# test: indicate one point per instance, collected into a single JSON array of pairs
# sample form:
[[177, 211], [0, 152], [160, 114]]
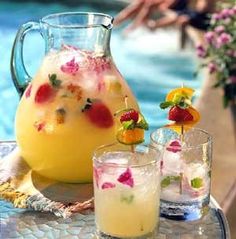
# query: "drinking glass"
[[185, 172], [126, 191]]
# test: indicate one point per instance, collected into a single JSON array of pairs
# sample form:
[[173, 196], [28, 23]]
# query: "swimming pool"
[[150, 62]]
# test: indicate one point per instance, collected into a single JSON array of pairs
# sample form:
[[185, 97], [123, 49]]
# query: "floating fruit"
[[113, 85], [44, 93], [60, 115], [98, 113]]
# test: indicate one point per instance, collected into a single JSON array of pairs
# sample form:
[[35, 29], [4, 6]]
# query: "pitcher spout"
[[86, 31]]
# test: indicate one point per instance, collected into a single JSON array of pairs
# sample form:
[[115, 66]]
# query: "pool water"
[[150, 62]]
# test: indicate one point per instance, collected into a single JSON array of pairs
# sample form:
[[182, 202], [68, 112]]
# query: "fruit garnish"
[[56, 83], [126, 178], [70, 67], [108, 185], [60, 115], [98, 113], [44, 93], [112, 85], [178, 114], [28, 91], [130, 136], [132, 127], [127, 199], [197, 183], [75, 90], [165, 182], [181, 110], [130, 115], [174, 94], [39, 125]]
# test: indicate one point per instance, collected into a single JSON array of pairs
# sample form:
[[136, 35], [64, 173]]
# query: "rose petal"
[[126, 178], [108, 185], [97, 172], [174, 146], [28, 91], [70, 67]]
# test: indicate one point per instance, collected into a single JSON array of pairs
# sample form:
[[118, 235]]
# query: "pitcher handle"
[[19, 74]]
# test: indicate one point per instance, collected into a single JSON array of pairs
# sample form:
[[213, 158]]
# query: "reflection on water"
[[150, 62]]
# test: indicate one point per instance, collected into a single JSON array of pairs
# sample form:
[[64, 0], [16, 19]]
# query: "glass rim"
[[95, 157], [209, 139], [45, 19]]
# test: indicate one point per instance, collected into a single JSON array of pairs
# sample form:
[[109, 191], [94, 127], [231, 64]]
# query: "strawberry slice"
[[99, 114], [130, 115], [44, 93], [178, 114]]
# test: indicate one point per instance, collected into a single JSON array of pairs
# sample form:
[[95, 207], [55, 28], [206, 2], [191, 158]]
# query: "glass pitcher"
[[67, 109]]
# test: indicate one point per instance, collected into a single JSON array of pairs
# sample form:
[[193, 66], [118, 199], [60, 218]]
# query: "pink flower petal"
[[108, 185], [174, 146], [70, 67], [126, 178], [97, 172], [98, 64], [28, 91]]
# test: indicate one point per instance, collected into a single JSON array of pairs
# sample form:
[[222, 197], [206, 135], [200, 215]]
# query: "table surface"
[[21, 223]]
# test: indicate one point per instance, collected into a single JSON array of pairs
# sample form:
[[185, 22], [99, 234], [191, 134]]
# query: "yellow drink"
[[67, 111], [126, 197]]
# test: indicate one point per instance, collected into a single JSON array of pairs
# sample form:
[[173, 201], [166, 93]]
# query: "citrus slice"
[[195, 114], [183, 91], [130, 136]]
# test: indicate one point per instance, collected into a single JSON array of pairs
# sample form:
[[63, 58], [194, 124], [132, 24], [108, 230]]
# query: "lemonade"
[[126, 190], [68, 110]]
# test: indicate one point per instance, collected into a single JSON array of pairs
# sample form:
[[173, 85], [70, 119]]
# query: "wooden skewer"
[[181, 140], [126, 106]]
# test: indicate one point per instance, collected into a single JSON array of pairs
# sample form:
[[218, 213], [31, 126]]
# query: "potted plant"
[[219, 51]]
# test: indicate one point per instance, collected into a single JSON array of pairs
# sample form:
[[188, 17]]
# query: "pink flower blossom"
[[220, 29], [201, 51], [227, 13], [216, 16], [210, 37], [126, 178], [232, 79], [234, 10], [70, 67], [223, 39], [174, 146], [108, 185], [212, 67]]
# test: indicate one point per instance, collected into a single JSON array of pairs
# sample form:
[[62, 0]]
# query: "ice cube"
[[172, 163]]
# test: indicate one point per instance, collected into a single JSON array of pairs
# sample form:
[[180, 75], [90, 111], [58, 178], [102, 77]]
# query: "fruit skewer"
[[132, 125], [182, 113]]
